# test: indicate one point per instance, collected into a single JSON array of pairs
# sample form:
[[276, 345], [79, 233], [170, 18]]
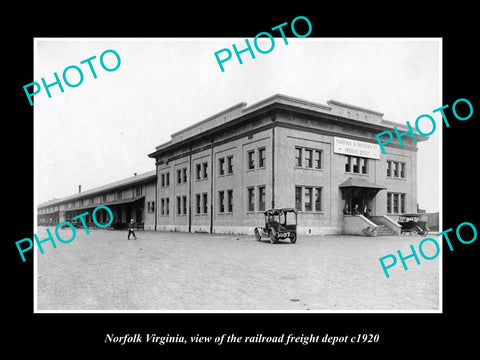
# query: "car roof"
[[279, 210], [410, 215]]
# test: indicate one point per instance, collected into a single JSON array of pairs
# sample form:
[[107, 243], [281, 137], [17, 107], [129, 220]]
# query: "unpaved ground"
[[181, 271]]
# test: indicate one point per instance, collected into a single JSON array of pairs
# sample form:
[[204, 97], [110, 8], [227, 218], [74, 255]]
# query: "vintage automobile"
[[279, 224], [410, 224]]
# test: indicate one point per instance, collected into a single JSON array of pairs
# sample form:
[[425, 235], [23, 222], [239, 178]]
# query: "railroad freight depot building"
[[220, 174]]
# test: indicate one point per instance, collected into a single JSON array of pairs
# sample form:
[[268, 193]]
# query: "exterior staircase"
[[384, 230], [386, 226]]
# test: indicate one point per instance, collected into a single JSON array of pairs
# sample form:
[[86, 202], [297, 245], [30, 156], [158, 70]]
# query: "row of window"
[[308, 198], [308, 158], [261, 158], [117, 195], [304, 157], [356, 165], [251, 198], [225, 202], [225, 166]]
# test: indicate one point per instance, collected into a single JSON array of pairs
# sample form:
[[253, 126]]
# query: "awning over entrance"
[[358, 187]]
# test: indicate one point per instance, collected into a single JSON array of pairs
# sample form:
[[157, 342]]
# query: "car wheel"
[[273, 237], [257, 235], [293, 239], [421, 231]]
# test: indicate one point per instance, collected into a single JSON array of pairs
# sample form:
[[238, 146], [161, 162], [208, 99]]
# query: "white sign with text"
[[356, 148]]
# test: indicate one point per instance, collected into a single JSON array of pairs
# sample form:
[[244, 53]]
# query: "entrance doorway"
[[358, 195], [359, 205]]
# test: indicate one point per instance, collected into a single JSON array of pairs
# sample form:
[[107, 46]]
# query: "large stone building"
[[220, 174]]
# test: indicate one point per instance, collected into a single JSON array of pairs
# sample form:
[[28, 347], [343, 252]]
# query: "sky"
[[102, 130]]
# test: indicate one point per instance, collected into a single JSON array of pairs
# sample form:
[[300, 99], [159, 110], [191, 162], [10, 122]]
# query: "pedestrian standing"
[[131, 225]]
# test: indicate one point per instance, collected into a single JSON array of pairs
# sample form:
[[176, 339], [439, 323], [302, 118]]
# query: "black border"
[[56, 334]]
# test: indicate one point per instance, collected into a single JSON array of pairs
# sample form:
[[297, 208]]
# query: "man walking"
[[131, 225]]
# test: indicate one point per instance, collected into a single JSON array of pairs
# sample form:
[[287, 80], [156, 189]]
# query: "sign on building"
[[356, 148]]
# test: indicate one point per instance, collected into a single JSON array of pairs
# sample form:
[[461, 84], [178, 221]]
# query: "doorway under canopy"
[[358, 194]]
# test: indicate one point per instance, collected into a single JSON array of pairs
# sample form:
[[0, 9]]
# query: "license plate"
[[284, 235]]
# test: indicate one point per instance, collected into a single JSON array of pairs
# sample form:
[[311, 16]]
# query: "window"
[[261, 198], [308, 198], [221, 166], [221, 201], [230, 165], [298, 156], [396, 169], [396, 203], [104, 198], [308, 158], [205, 170], [138, 191], [119, 195], [348, 161], [162, 206], [151, 206], [198, 204], [318, 159], [251, 199], [298, 198], [318, 199], [251, 159], [364, 165], [307, 193], [167, 206], [184, 203], [230, 201], [162, 177], [261, 157], [198, 171], [205, 202], [184, 171], [179, 205], [167, 179], [356, 165], [179, 176]]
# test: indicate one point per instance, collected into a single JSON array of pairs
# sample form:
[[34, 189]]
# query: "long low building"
[[131, 198], [220, 174]]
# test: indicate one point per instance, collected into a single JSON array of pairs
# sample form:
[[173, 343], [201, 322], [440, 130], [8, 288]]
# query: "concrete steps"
[[383, 230]]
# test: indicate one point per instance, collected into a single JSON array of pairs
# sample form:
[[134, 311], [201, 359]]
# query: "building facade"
[[221, 174]]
